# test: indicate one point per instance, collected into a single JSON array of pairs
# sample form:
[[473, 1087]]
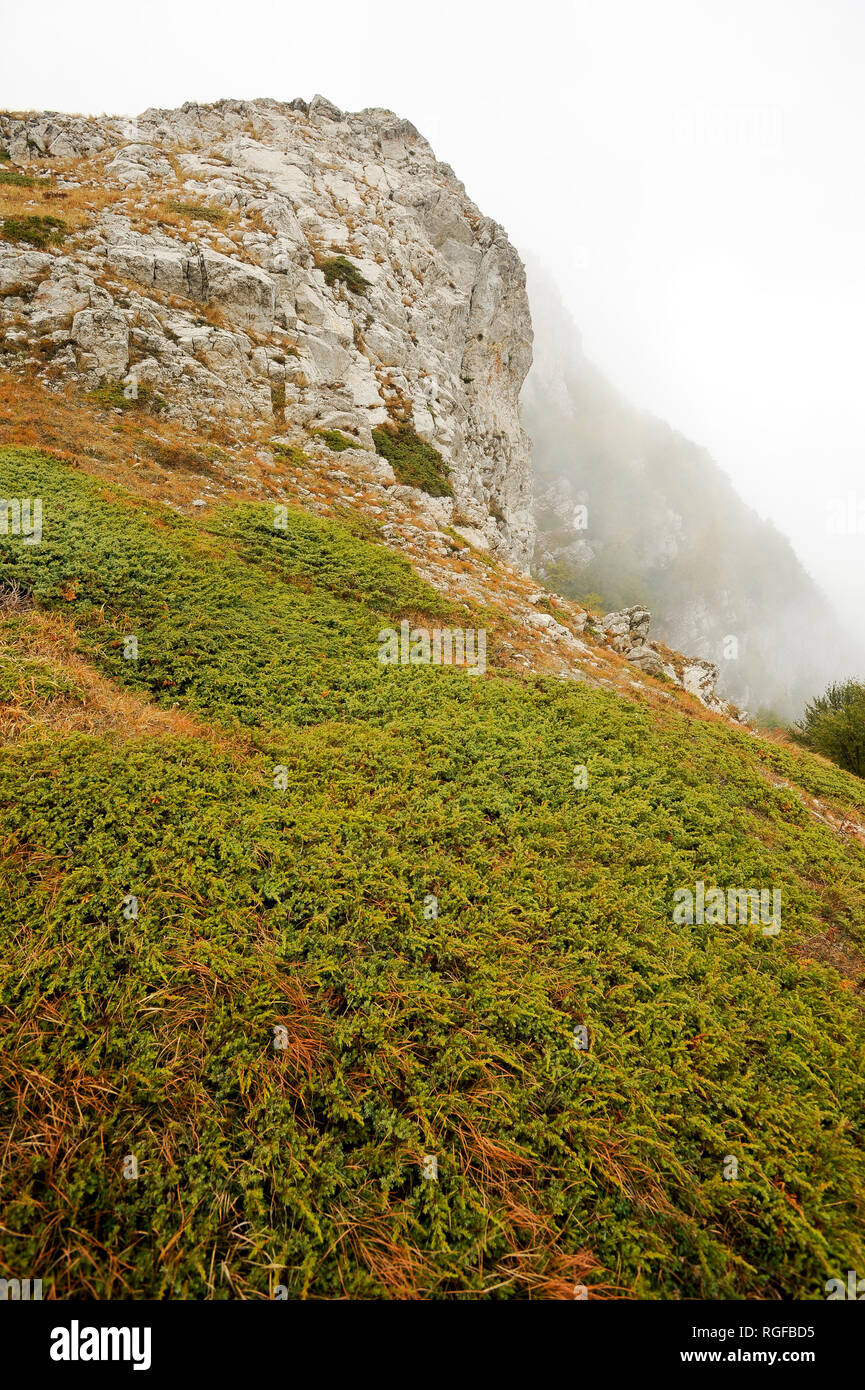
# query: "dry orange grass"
[[104, 442], [98, 706], [77, 206]]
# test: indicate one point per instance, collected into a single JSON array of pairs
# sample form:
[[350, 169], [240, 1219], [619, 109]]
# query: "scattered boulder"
[[102, 339], [627, 628]]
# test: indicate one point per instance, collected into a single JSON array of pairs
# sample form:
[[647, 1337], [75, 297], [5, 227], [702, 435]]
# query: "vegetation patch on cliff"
[[16, 179], [415, 462], [217, 217], [341, 268], [336, 440], [128, 396], [40, 232]]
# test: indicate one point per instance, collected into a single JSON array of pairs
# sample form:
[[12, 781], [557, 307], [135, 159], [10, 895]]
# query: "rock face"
[[627, 632], [627, 629], [286, 264]]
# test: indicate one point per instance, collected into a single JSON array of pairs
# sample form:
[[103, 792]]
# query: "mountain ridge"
[[664, 526], [339, 272], [332, 977]]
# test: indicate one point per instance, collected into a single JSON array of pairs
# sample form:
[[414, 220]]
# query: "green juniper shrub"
[[340, 268], [40, 232], [415, 462], [119, 395], [336, 441], [289, 453], [834, 724], [19, 180], [371, 928]]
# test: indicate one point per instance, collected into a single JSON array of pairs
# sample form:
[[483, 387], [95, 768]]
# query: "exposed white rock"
[[551, 626], [101, 337], [473, 537], [242, 321], [627, 632], [700, 679], [627, 628], [647, 658]]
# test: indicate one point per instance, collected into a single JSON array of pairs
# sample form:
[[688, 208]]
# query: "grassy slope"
[[406, 1036]]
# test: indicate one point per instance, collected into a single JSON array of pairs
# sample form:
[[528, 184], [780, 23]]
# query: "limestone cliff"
[[282, 263]]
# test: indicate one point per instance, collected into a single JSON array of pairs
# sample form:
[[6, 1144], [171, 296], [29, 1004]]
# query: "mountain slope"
[[664, 527], [408, 1031], [331, 977]]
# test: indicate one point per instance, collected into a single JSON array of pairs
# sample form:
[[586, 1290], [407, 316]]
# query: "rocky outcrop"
[[288, 265], [627, 629], [287, 271], [627, 632]]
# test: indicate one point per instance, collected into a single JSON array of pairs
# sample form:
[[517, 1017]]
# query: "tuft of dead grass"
[[97, 705]]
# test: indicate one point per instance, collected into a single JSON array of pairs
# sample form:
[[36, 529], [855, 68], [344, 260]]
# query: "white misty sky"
[[690, 170]]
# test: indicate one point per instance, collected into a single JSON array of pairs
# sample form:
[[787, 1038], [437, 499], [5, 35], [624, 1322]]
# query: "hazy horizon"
[[687, 174]]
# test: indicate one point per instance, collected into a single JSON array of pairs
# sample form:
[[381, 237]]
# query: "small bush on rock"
[[36, 231], [339, 268], [415, 463], [336, 441]]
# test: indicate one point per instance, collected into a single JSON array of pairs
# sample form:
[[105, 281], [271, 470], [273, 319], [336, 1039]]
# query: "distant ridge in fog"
[[629, 511]]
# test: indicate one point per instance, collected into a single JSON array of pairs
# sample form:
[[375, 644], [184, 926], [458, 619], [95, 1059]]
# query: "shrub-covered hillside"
[[374, 913]]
